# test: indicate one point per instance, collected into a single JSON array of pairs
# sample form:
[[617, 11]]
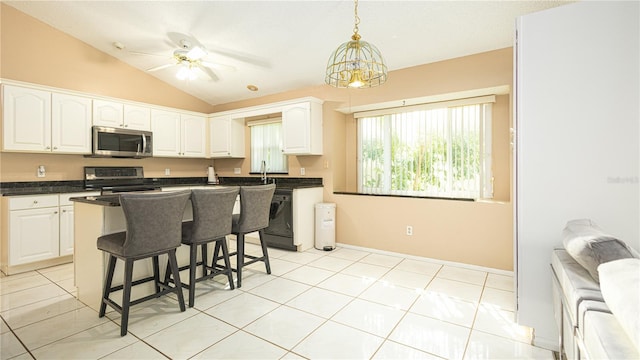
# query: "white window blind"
[[266, 145], [435, 150]]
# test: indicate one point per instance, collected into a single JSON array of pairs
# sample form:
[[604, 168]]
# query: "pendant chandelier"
[[356, 63]]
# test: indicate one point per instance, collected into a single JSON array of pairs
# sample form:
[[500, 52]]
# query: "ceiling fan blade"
[[218, 66], [209, 72], [159, 67], [146, 54], [177, 38]]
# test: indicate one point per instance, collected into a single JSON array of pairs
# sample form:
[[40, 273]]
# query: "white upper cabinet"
[[165, 126], [70, 124], [115, 114], [302, 128], [178, 135], [226, 136], [26, 119], [108, 113], [194, 136], [137, 117], [43, 122]]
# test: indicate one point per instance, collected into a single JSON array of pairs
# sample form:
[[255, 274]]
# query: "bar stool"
[[212, 218], [255, 205], [154, 227]]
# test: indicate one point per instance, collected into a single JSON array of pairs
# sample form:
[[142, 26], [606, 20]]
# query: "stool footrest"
[[133, 283]]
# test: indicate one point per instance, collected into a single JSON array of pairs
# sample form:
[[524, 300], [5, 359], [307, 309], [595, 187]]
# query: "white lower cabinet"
[[36, 229], [33, 234]]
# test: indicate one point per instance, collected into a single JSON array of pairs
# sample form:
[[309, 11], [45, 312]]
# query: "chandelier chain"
[[357, 18]]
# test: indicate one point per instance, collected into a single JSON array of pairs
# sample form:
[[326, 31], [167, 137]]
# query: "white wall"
[[577, 135]]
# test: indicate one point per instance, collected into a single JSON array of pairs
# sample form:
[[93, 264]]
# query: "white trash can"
[[325, 226]]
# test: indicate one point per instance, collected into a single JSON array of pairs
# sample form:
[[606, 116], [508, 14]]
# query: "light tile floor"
[[344, 304]]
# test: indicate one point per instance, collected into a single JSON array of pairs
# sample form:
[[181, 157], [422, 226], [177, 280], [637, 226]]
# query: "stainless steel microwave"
[[127, 143]]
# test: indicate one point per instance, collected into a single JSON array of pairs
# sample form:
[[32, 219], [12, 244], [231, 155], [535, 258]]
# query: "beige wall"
[[478, 233], [34, 52], [470, 232]]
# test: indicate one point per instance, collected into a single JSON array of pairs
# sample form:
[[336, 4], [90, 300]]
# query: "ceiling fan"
[[191, 58]]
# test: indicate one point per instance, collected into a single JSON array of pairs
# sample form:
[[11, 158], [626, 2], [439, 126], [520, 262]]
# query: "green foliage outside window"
[[421, 162]]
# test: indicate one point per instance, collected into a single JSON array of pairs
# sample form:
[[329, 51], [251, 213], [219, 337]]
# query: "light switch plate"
[[236, 171]]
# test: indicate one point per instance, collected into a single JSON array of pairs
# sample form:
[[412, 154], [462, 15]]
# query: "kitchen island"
[[100, 215]]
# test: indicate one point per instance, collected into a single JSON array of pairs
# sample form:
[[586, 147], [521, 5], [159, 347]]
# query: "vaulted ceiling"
[[279, 45]]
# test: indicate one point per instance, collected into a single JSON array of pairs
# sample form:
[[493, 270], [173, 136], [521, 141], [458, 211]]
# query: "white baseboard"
[[437, 261]]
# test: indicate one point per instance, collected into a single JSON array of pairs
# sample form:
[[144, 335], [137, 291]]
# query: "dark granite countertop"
[[105, 200], [41, 187], [73, 186]]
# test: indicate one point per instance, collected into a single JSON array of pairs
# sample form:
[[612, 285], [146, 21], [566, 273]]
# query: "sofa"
[[596, 294]]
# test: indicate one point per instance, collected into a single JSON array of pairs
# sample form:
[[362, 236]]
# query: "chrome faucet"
[[263, 172]]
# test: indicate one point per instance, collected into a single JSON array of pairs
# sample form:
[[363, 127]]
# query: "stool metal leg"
[[107, 285], [156, 274], [176, 278], [193, 259], [240, 257], [265, 254], [204, 249], [227, 263], [126, 296]]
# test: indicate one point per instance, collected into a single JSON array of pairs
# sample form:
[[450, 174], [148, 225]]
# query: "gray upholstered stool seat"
[[255, 205], [154, 227], [212, 211]]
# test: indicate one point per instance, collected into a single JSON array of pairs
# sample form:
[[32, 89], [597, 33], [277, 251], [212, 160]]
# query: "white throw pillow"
[[620, 286], [589, 246]]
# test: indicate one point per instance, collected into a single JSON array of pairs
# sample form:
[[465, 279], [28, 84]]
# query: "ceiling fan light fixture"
[[186, 72], [356, 63]]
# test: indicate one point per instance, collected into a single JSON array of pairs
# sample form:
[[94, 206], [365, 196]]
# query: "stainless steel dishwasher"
[[280, 232]]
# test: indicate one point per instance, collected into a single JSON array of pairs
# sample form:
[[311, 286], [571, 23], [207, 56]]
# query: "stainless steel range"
[[116, 179]]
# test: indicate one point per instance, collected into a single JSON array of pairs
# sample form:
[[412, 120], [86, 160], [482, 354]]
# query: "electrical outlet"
[[167, 171], [302, 171], [236, 171], [41, 171], [409, 230]]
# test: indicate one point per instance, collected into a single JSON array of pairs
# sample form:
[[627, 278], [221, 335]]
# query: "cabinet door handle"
[[55, 212], [35, 201], [48, 147], [55, 148], [64, 211]]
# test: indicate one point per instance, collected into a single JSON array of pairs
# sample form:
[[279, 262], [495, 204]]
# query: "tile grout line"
[[312, 286], [475, 315]]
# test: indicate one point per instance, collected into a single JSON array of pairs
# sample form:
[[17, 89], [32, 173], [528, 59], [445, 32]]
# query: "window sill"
[[403, 196]]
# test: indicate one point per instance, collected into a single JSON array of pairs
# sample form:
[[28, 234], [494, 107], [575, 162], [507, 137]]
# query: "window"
[[266, 145], [434, 150]]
